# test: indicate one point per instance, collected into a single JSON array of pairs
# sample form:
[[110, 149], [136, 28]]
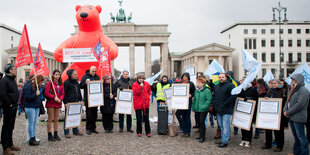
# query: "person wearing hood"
[[184, 116], [201, 104], [54, 103], [124, 83], [9, 96], [248, 93], [224, 104], [276, 92], [158, 88], [107, 110], [72, 94], [296, 110], [91, 112], [141, 103]]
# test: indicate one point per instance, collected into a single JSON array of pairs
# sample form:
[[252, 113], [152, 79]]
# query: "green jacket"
[[202, 100]]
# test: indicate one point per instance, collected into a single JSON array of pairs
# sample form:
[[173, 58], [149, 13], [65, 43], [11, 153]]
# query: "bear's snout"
[[84, 14]]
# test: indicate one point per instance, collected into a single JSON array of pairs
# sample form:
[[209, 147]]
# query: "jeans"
[[145, 115], [67, 131], [128, 121], [224, 123], [32, 115], [211, 119], [152, 96], [9, 115], [301, 141]]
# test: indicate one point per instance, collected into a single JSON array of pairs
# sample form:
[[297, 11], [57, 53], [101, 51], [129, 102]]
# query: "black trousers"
[[145, 115], [107, 121], [128, 121], [9, 116], [202, 126], [308, 128], [279, 135], [247, 135], [197, 116], [91, 118]]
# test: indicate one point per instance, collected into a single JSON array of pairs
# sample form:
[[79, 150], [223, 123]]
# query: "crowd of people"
[[206, 98]]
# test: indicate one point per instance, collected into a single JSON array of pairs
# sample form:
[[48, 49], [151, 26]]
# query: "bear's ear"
[[77, 7], [98, 7]]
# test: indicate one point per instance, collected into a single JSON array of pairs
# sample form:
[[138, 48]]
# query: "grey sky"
[[192, 23]]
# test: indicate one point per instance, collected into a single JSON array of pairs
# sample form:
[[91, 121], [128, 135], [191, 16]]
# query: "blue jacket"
[[31, 98]]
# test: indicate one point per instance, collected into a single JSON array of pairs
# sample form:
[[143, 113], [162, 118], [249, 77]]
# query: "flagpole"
[[52, 84], [35, 77]]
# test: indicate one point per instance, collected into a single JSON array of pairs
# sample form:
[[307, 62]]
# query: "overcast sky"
[[192, 23]]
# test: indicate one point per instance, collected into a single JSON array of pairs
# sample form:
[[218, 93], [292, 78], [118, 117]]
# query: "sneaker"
[[14, 148], [274, 143], [129, 130], [78, 134], [120, 130], [148, 135], [8, 151], [201, 140], [242, 143], [88, 132], [95, 131], [139, 135], [67, 136], [247, 144], [180, 131], [221, 145], [266, 147]]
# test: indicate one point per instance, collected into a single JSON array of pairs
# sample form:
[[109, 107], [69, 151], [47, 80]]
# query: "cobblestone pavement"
[[129, 143]]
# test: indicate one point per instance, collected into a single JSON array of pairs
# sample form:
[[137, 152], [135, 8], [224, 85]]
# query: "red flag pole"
[[52, 84], [35, 77]]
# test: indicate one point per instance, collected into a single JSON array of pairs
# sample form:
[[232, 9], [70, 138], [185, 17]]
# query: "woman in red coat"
[[54, 103], [141, 102]]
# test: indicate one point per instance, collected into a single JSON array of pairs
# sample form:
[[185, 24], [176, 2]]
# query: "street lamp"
[[274, 21]]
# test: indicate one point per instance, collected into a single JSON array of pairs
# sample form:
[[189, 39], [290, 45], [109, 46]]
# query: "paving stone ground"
[[129, 143]]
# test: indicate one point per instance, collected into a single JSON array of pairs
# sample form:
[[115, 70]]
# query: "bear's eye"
[[90, 7]]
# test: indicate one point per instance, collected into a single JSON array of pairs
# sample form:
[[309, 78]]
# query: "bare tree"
[[156, 66]]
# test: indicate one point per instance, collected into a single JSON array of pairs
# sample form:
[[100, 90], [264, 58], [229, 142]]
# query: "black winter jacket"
[[72, 90], [109, 104], [123, 83], [223, 100], [8, 92], [83, 84]]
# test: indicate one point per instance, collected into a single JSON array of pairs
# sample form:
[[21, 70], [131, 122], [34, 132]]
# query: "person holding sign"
[[201, 103], [141, 103], [33, 103], [185, 115], [295, 109], [275, 92], [91, 112], [158, 88], [248, 93], [72, 94], [224, 105], [124, 83], [54, 95], [109, 104]]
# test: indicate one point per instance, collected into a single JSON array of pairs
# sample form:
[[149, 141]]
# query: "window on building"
[[12, 38], [308, 57], [245, 31], [263, 43], [255, 55], [11, 45], [271, 43], [210, 61], [298, 43], [250, 43], [272, 57], [264, 57], [273, 70], [254, 43], [290, 71], [263, 31], [282, 57], [229, 44], [281, 43], [229, 36], [290, 57], [307, 31], [245, 43], [281, 31], [290, 43], [264, 71], [282, 72], [254, 31], [298, 31], [299, 57], [289, 31], [271, 31], [307, 43]]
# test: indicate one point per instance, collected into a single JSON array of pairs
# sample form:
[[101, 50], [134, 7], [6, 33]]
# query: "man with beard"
[[158, 88]]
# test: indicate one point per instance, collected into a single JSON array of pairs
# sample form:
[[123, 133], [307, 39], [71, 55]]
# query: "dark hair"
[[54, 72], [164, 76], [40, 78], [8, 67]]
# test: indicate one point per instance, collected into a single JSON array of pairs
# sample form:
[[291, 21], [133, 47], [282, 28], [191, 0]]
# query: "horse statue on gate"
[[121, 17], [112, 18], [129, 17]]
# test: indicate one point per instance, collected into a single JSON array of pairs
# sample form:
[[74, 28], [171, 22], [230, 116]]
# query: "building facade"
[[261, 39], [201, 57], [9, 38]]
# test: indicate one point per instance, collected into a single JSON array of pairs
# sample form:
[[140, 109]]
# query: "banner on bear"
[[78, 55]]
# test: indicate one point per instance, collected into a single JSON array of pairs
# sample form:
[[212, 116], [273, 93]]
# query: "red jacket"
[[141, 100], [60, 91]]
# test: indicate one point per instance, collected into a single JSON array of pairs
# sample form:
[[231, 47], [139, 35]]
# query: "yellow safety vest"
[[160, 93]]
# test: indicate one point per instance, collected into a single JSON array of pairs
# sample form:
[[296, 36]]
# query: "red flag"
[[40, 64], [24, 55], [105, 61]]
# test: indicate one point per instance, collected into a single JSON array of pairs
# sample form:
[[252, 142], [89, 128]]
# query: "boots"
[[218, 134], [56, 136], [8, 151], [33, 142], [50, 137]]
